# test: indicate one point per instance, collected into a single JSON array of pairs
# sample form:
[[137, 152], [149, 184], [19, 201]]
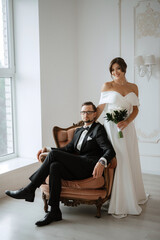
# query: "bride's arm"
[[134, 113], [132, 116], [100, 109]]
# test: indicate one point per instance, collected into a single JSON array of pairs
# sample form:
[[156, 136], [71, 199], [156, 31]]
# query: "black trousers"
[[62, 165]]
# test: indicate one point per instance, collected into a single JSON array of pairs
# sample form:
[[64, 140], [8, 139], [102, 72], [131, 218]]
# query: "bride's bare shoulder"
[[134, 88], [107, 86]]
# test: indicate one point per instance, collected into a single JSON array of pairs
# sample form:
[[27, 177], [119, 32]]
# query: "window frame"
[[10, 73]]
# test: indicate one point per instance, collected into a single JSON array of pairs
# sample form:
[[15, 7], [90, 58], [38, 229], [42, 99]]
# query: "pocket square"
[[89, 138]]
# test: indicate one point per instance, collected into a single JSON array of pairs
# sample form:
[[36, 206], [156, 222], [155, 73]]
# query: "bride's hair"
[[120, 62]]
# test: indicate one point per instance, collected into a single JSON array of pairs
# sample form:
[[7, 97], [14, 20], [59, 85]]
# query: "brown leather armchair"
[[87, 191]]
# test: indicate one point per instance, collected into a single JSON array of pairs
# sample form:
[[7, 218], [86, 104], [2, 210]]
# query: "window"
[[7, 129]]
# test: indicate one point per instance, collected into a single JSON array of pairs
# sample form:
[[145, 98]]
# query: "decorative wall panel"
[[147, 42], [148, 22]]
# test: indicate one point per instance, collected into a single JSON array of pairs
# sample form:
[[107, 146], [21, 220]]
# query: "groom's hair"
[[90, 103]]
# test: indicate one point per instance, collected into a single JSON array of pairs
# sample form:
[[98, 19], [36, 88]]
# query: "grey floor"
[[17, 220]]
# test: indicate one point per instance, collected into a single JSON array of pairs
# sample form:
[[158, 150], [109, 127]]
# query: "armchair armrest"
[[113, 163], [42, 156], [109, 174]]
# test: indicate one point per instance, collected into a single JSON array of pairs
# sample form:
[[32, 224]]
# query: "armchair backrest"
[[63, 136]]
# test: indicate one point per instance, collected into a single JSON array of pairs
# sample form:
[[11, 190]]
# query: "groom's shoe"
[[50, 217], [23, 193]]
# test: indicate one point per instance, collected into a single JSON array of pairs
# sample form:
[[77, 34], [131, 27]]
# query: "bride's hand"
[[122, 124]]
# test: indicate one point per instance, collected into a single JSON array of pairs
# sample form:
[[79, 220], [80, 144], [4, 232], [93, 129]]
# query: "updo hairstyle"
[[120, 62]]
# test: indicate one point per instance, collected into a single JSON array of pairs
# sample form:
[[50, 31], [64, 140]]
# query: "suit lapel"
[[78, 134], [89, 131]]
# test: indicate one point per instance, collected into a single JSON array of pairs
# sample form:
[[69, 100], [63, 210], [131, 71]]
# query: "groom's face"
[[88, 114]]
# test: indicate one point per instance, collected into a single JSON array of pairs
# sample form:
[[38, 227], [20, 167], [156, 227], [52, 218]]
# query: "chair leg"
[[98, 215], [45, 202]]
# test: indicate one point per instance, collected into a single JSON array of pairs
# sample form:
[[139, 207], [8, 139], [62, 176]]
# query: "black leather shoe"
[[22, 194], [50, 217]]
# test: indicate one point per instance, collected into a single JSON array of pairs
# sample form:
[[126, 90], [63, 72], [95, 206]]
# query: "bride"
[[128, 189]]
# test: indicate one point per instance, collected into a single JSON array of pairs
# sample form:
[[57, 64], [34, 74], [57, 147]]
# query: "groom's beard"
[[89, 121]]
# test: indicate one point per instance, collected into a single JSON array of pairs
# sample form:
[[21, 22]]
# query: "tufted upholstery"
[[65, 136]]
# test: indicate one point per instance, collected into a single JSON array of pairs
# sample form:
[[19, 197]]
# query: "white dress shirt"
[[81, 139]]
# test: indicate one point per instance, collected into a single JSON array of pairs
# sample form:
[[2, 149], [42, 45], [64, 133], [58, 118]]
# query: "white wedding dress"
[[128, 189]]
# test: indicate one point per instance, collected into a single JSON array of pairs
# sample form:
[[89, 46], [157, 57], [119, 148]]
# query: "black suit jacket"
[[95, 145]]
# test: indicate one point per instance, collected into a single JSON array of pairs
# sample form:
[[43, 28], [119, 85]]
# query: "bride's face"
[[117, 72]]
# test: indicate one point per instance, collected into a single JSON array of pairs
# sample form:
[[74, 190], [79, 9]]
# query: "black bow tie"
[[85, 128]]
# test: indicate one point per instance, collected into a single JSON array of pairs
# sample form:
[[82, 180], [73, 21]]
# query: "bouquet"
[[117, 116]]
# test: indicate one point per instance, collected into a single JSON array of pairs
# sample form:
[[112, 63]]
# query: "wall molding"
[[146, 24], [153, 137], [150, 155]]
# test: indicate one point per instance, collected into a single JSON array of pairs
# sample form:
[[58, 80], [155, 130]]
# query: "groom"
[[86, 155]]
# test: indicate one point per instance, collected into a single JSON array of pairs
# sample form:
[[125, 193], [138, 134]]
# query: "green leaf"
[[116, 116]]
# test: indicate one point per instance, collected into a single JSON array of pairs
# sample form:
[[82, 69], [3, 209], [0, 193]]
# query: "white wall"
[[98, 44], [28, 104], [75, 40], [58, 63], [78, 39], [141, 38]]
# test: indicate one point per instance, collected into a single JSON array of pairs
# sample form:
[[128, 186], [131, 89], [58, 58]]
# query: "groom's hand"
[[44, 149], [98, 170]]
